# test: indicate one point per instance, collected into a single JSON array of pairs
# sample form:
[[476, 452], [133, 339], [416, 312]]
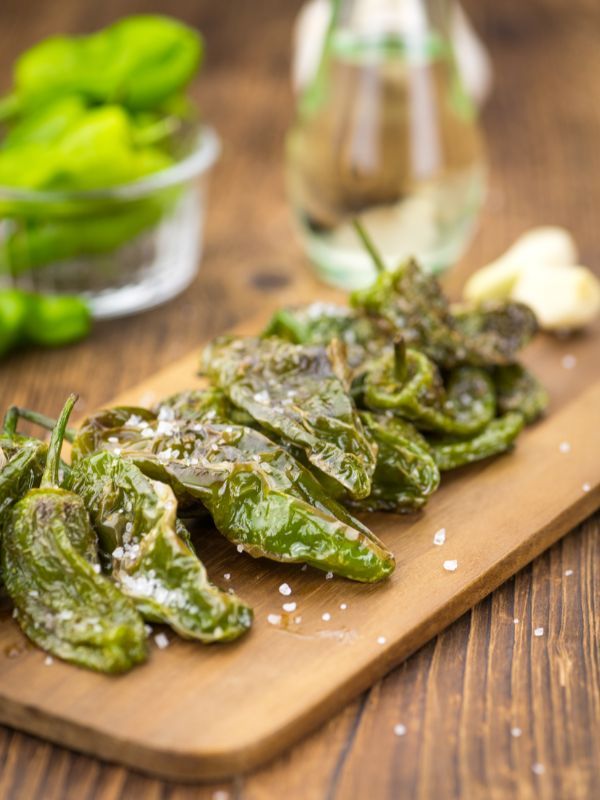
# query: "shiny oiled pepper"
[[406, 474], [135, 519], [410, 303], [451, 452], [52, 574], [408, 383], [258, 495], [300, 393], [139, 61], [22, 461], [320, 323]]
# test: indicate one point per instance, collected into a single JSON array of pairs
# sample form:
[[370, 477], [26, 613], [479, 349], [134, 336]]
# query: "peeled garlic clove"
[[545, 246], [493, 282], [561, 297]]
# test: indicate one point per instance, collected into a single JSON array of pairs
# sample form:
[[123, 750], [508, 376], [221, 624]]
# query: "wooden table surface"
[[458, 692]]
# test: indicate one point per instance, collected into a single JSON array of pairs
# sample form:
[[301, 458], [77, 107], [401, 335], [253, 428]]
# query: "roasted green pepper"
[[301, 394], [258, 495], [410, 303], [52, 574], [406, 474], [408, 383], [135, 519], [22, 461], [451, 452], [517, 389]]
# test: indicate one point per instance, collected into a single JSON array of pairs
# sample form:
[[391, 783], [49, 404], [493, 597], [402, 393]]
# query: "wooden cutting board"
[[195, 712]]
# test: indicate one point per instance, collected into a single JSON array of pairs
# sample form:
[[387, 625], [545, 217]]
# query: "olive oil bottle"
[[385, 132]]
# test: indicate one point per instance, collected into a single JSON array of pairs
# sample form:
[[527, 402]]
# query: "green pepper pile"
[[331, 411], [88, 113]]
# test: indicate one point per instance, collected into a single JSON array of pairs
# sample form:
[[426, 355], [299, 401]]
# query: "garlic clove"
[[562, 297], [492, 282], [546, 246]]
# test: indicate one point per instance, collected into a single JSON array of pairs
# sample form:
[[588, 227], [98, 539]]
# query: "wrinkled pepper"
[[52, 574], [135, 519], [410, 303], [300, 393], [498, 436], [517, 389], [406, 474], [408, 383], [259, 496]]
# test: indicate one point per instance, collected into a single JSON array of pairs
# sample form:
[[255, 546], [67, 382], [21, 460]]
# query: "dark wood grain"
[[461, 694]]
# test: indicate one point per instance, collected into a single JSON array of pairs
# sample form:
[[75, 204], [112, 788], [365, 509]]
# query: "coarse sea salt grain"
[[289, 607], [326, 616], [568, 572], [538, 632], [516, 621], [586, 487], [285, 589], [328, 576], [515, 732], [274, 619], [564, 447], [439, 537], [399, 729], [343, 606], [569, 361], [381, 640], [450, 565], [538, 768], [240, 548], [220, 794], [161, 641], [48, 661], [227, 576], [298, 619]]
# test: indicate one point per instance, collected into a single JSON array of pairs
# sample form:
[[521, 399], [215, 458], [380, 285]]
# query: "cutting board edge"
[[190, 767]]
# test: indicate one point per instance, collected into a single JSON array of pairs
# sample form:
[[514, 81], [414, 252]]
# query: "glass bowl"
[[124, 248]]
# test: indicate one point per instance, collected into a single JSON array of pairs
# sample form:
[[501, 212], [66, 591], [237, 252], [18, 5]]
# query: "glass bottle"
[[385, 132]]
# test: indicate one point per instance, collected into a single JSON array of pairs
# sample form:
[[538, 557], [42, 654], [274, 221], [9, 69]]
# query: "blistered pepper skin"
[[406, 474], [136, 522], [300, 394], [52, 574], [259, 496], [409, 384], [497, 437], [62, 604], [21, 470], [410, 303]]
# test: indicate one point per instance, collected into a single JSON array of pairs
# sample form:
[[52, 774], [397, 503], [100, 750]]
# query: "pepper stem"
[[400, 365], [378, 261], [11, 419], [44, 422], [50, 476]]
